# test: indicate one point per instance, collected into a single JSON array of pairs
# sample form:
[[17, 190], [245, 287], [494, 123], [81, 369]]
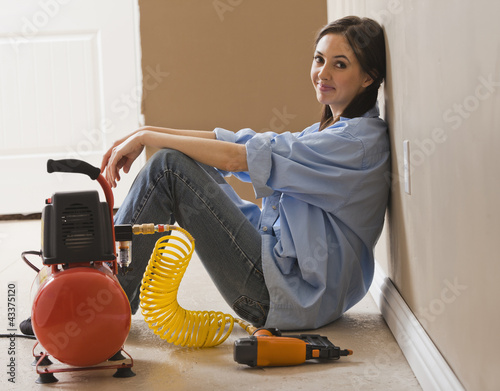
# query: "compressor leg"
[[45, 361], [46, 378], [124, 372], [118, 356]]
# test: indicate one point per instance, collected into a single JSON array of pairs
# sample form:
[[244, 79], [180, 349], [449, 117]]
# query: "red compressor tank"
[[81, 315]]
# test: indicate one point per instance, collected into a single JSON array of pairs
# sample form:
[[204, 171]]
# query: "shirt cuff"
[[259, 164], [225, 135]]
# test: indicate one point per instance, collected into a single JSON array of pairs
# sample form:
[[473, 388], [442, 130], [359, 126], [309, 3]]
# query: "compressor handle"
[[81, 167], [74, 166]]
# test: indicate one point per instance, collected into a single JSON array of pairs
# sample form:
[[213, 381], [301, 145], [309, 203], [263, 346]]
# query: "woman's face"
[[336, 74]]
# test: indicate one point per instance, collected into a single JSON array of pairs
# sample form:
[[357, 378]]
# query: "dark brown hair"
[[366, 38]]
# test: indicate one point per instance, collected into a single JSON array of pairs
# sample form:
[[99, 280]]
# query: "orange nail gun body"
[[266, 347]]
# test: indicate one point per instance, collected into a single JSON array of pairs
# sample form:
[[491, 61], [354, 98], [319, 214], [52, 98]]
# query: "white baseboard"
[[430, 368]]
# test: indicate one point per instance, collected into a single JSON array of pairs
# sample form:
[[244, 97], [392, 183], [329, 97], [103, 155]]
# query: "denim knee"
[[164, 158]]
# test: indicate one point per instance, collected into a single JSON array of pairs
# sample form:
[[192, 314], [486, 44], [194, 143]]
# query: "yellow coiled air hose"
[[159, 288]]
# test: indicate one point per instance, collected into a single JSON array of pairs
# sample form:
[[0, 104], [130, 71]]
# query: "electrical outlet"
[[406, 165]]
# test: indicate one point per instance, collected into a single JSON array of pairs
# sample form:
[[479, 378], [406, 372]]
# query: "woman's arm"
[[199, 145], [180, 132]]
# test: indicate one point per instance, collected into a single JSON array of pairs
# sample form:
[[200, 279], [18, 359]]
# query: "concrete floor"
[[377, 362]]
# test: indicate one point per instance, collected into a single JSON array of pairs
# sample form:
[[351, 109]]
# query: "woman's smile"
[[324, 87]]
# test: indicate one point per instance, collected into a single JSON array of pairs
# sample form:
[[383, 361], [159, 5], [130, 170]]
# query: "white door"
[[70, 84]]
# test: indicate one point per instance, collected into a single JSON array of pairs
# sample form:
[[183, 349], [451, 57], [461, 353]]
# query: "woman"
[[307, 256]]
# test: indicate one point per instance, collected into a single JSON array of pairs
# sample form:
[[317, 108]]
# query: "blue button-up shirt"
[[325, 194]]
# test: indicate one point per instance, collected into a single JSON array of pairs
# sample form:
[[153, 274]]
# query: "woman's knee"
[[166, 158]]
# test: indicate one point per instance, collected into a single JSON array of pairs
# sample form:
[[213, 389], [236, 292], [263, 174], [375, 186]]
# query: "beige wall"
[[230, 63], [441, 241]]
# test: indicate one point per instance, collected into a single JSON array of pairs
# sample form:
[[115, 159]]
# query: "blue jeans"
[[174, 188]]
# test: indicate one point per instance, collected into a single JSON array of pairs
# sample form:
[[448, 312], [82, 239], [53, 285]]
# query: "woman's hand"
[[121, 156], [107, 155], [199, 145]]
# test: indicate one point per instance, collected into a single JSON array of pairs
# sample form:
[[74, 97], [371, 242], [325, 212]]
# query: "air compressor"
[[80, 314]]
